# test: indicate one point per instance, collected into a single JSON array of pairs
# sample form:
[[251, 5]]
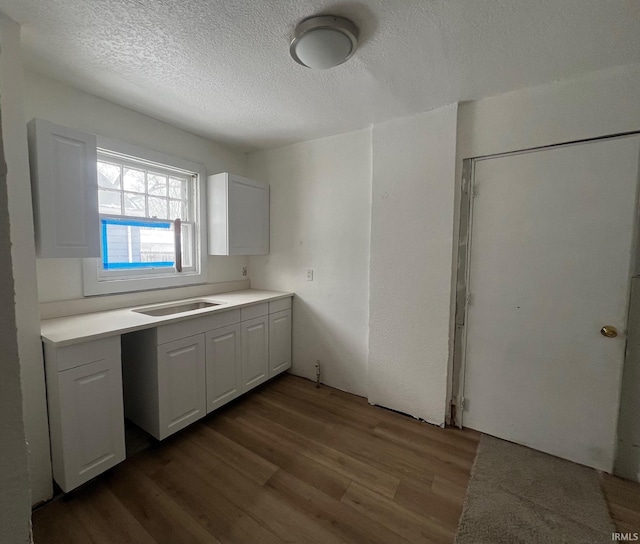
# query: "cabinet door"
[[181, 384], [255, 351], [65, 190], [91, 421], [248, 216], [224, 366], [279, 342]]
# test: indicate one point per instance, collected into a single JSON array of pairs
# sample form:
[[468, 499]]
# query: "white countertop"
[[64, 331]]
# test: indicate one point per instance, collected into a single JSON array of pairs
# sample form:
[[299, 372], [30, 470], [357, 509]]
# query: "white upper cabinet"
[[65, 190], [238, 215]]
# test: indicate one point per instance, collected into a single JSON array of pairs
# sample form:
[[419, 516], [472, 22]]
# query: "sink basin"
[[168, 309]]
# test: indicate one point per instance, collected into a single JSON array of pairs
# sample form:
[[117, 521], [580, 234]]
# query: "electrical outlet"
[[244, 271], [309, 274]]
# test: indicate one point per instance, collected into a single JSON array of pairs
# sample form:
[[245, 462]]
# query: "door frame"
[[462, 247]]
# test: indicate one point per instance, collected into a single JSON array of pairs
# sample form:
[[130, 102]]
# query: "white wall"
[[411, 252], [61, 279], [15, 499], [24, 263], [320, 219], [597, 104], [15, 504]]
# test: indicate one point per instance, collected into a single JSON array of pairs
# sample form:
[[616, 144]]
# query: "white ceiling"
[[221, 68]]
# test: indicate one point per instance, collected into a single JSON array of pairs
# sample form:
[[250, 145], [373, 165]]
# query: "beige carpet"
[[520, 496]]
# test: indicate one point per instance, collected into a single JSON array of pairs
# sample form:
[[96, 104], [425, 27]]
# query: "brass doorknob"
[[609, 331]]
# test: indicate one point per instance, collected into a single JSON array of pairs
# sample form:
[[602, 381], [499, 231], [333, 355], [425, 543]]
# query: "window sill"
[[94, 286]]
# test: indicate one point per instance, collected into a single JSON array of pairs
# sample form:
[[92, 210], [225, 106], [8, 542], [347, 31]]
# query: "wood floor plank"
[[422, 501], [227, 522], [361, 445], [448, 489], [155, 510], [625, 517], [422, 442], [348, 413], [245, 461], [267, 506], [300, 422], [347, 466], [622, 492], [413, 527], [410, 461], [55, 524], [106, 519], [403, 463], [277, 452], [368, 448], [339, 517]]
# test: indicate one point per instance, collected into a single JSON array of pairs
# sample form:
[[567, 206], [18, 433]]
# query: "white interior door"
[[549, 266]]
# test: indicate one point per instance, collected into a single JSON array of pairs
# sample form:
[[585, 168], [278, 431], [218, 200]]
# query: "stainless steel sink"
[[168, 309]]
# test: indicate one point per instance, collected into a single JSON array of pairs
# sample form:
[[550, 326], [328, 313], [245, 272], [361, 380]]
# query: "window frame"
[[97, 281]]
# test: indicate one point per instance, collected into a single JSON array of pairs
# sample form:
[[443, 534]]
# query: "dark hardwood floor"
[[287, 463]]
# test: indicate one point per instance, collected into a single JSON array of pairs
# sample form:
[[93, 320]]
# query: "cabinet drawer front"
[[69, 357], [91, 422], [279, 305], [197, 325], [257, 310]]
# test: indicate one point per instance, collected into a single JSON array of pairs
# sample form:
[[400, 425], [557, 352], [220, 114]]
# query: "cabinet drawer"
[[257, 310], [81, 354], [279, 305], [197, 325]]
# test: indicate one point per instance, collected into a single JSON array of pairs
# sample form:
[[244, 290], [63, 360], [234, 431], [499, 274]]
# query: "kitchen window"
[[150, 214]]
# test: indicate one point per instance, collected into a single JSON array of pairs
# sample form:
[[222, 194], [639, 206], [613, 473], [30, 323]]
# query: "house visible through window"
[[139, 203]]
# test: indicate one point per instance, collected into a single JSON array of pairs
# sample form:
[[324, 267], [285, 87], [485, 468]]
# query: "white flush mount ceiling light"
[[324, 41]]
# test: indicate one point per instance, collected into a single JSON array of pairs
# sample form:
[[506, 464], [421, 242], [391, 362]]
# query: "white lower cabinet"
[[85, 410], [181, 384], [167, 377], [255, 351], [224, 370], [279, 342], [164, 385]]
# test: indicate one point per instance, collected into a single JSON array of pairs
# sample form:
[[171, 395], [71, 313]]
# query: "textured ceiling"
[[222, 68]]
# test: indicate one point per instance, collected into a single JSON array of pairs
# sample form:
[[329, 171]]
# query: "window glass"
[[134, 244], [138, 206]]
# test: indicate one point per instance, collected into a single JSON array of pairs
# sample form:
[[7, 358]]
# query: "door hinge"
[[467, 299], [465, 185]]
